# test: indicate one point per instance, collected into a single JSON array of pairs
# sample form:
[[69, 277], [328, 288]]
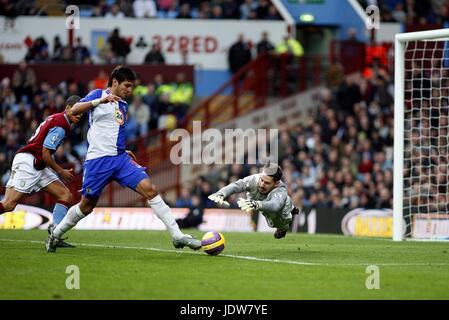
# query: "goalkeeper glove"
[[248, 205], [218, 198]]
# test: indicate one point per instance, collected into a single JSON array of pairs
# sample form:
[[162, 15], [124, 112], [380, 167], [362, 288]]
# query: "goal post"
[[421, 136]]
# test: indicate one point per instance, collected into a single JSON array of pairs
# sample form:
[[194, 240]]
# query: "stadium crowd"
[[25, 103], [156, 9], [411, 12], [340, 156]]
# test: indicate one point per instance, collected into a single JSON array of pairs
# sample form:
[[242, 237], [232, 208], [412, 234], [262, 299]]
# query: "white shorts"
[[25, 178]]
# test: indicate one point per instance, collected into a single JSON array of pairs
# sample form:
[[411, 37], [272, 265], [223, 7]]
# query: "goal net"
[[421, 149]]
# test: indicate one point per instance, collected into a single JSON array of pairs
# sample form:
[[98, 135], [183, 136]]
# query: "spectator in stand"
[[246, 7], [290, 46], [217, 12], [205, 11], [184, 12], [158, 82], [399, 14], [141, 113], [181, 95], [67, 55], [24, 81], [272, 13], [195, 215], [239, 54], [57, 49], [80, 51], [348, 94], [38, 52], [139, 88], [150, 99], [165, 5], [8, 9], [101, 80], [231, 9], [262, 9], [154, 56], [165, 108], [119, 47], [171, 13], [115, 12], [144, 9], [185, 199], [335, 75], [126, 7], [100, 10], [265, 45]]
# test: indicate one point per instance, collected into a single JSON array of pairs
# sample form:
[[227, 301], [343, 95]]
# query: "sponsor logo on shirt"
[[119, 117]]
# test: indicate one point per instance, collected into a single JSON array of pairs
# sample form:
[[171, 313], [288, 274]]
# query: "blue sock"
[[59, 213]]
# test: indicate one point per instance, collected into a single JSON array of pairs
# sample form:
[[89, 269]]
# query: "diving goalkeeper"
[[265, 193]]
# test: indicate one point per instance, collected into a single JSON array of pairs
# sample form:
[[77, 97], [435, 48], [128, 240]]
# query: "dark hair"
[[273, 170], [72, 100], [121, 73]]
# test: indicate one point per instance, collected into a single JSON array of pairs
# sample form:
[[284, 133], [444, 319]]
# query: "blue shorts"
[[100, 171]]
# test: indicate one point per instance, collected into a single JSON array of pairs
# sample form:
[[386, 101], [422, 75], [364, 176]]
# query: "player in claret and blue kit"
[[34, 169], [107, 159]]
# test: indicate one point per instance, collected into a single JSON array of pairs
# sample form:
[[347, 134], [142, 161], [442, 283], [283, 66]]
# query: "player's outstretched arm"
[[248, 205], [219, 199], [276, 202], [65, 175], [81, 107], [238, 186]]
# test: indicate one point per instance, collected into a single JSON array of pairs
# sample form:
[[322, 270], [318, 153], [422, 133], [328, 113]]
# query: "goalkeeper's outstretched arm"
[[273, 205], [238, 186]]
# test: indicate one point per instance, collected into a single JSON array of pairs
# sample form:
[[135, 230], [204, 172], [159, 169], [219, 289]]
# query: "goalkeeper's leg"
[[281, 231]]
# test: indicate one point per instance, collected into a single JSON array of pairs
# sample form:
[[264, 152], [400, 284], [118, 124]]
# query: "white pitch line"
[[111, 246]]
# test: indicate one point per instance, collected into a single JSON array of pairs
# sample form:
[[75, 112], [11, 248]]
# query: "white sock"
[[70, 220], [163, 212]]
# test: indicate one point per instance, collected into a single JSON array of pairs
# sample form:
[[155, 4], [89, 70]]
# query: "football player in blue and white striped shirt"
[[107, 159]]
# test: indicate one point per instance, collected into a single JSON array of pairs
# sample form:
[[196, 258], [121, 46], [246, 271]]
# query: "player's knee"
[[151, 191], [66, 196], [87, 206], [9, 205]]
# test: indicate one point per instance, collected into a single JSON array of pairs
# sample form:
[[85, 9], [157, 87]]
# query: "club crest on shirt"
[[119, 117]]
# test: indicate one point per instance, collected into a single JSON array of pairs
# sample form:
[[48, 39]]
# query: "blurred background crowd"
[[341, 156], [410, 11], [156, 9]]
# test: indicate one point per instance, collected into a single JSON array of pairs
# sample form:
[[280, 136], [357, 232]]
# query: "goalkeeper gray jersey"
[[276, 206]]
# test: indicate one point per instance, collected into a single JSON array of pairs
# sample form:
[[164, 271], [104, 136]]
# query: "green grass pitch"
[[144, 265]]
